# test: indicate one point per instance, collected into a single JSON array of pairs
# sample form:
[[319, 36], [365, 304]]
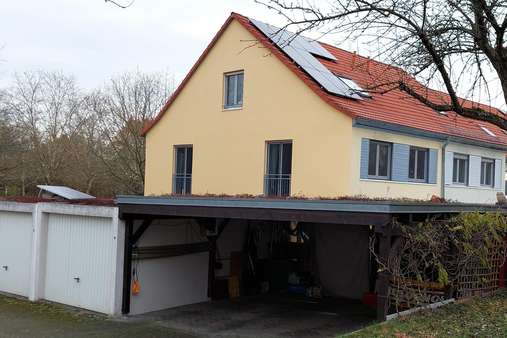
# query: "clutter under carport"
[[258, 246]]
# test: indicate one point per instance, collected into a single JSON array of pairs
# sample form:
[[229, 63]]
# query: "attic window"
[[354, 87], [487, 131]]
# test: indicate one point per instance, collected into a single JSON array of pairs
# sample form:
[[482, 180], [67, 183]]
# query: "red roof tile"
[[392, 106]]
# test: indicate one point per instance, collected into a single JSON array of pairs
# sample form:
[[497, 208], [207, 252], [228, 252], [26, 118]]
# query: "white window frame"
[[485, 161], [226, 91], [460, 157], [376, 176], [426, 164]]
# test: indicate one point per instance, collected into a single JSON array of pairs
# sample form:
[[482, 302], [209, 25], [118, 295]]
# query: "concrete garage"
[[16, 255], [68, 253]]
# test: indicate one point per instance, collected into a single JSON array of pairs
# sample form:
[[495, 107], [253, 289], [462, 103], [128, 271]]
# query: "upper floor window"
[[418, 164], [278, 168], [182, 176], [460, 169], [379, 160], [487, 172], [233, 90]]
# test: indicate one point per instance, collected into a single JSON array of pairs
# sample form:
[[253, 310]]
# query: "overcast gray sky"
[[94, 40]]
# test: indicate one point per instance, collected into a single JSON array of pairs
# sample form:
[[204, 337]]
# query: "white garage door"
[[79, 262], [15, 252]]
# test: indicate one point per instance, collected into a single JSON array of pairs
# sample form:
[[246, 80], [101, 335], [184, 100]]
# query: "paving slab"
[[267, 317]]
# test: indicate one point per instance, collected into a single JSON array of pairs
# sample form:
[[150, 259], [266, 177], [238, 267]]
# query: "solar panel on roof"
[[65, 192], [302, 50]]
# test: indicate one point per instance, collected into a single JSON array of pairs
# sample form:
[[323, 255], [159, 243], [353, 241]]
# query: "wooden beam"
[[211, 266], [221, 226], [140, 231], [127, 266], [171, 250], [311, 216]]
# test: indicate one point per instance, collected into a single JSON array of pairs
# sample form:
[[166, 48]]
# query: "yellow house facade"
[[230, 145]]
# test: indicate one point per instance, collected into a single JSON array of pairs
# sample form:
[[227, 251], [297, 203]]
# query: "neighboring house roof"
[[392, 107], [65, 192]]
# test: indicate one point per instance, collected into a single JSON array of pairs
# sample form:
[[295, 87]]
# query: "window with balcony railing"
[[277, 179], [182, 177]]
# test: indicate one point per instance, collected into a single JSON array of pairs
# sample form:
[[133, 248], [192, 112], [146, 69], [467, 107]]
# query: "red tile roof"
[[394, 106]]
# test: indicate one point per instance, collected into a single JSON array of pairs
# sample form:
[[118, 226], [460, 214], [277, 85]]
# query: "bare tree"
[[456, 45], [9, 146], [46, 110], [121, 109], [119, 4]]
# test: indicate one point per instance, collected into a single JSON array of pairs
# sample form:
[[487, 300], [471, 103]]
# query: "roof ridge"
[[394, 106]]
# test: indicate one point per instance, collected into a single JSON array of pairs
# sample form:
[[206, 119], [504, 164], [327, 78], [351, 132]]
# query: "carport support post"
[[217, 225], [211, 266], [383, 276], [127, 266]]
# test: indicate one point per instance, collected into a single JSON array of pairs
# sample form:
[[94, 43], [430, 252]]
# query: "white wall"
[[16, 234], [471, 194], [172, 281]]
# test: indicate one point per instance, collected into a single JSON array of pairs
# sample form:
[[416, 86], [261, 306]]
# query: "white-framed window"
[[418, 164], [233, 90], [460, 169], [379, 160], [487, 172]]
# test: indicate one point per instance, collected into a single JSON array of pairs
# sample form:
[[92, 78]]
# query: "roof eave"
[[362, 122]]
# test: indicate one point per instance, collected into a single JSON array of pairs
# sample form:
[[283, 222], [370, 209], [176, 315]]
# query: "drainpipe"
[[442, 178]]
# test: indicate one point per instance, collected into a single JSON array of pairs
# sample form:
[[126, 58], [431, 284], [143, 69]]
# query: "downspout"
[[442, 178]]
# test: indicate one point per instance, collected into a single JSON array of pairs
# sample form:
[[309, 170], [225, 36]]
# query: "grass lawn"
[[22, 319], [481, 317]]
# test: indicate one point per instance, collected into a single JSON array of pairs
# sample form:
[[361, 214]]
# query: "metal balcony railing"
[[182, 184], [277, 184]]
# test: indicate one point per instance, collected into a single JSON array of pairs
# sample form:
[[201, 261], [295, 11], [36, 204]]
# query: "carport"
[[215, 215]]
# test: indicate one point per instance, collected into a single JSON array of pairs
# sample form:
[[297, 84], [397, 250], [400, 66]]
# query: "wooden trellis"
[[476, 279]]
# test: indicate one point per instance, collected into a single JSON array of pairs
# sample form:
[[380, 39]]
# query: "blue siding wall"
[[399, 171], [365, 150], [432, 166], [400, 162]]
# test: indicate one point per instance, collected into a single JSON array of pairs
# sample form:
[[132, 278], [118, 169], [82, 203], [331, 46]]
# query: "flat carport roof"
[[217, 211], [370, 212]]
